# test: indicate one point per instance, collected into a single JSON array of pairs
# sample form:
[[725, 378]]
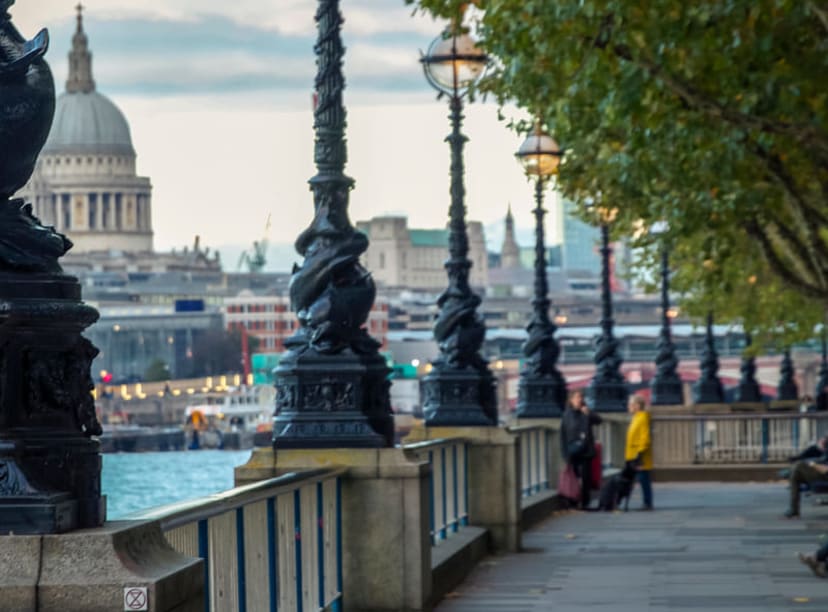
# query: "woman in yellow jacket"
[[638, 447]]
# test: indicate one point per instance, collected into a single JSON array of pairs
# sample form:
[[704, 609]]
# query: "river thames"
[[137, 481]]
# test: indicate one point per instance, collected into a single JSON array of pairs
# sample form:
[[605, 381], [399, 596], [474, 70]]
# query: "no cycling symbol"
[[135, 598]]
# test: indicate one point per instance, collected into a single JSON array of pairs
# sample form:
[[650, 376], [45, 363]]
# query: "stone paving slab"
[[707, 546]]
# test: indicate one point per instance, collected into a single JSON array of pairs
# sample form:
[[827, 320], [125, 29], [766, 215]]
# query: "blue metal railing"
[[448, 484], [535, 458], [293, 522]]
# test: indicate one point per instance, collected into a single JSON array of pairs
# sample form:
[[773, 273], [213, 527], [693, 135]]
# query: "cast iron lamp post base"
[[326, 401], [459, 397], [50, 469]]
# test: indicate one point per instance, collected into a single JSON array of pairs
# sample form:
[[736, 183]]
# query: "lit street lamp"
[[542, 388], [460, 388], [607, 392]]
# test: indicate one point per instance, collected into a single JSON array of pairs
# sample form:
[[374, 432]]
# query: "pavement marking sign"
[[135, 598]]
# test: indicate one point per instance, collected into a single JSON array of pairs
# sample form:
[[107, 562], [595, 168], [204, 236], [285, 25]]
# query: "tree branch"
[[784, 272], [821, 14], [778, 172], [805, 253], [696, 98]]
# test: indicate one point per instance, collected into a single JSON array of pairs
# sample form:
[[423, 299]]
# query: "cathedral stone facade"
[[85, 183]]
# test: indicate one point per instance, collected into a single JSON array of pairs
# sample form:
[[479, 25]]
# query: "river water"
[[137, 481]]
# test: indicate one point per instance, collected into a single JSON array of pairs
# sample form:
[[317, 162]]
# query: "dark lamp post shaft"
[[666, 386], [786, 389], [540, 302], [608, 390], [458, 265], [542, 388], [708, 389], [606, 289], [748, 390]]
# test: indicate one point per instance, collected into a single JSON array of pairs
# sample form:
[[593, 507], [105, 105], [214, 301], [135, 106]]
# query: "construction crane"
[[256, 259]]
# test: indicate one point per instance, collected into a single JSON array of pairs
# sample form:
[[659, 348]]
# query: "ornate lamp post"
[[332, 384], [786, 388], [748, 390], [50, 465], [542, 388], [666, 386], [708, 389], [608, 390], [459, 390]]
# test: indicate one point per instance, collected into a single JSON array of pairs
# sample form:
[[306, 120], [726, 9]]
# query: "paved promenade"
[[707, 547]]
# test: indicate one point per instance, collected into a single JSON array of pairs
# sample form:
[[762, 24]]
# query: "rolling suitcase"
[[597, 467]]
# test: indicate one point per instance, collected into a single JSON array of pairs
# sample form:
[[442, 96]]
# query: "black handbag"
[[580, 449]]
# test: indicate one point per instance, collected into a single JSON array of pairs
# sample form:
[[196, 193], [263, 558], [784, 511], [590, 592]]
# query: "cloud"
[[220, 53], [287, 17], [218, 97]]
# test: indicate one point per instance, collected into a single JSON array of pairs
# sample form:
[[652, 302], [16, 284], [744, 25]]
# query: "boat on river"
[[230, 419]]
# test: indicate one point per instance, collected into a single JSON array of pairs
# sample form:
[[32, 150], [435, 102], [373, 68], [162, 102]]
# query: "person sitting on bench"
[[807, 471], [818, 562], [814, 451]]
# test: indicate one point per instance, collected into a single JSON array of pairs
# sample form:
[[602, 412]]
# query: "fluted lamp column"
[[542, 388], [332, 383], [607, 392], [460, 388]]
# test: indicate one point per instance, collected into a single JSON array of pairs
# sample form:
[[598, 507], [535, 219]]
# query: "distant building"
[[514, 277], [131, 337], [269, 319], [553, 257], [510, 252], [138, 266], [86, 185], [399, 256], [580, 245]]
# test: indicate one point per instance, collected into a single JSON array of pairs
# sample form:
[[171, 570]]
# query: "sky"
[[218, 97]]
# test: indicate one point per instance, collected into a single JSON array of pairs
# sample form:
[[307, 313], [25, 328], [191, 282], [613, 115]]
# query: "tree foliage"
[[709, 115]]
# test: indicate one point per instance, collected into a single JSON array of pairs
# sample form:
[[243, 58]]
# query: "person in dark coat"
[[578, 441], [815, 451], [807, 471]]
